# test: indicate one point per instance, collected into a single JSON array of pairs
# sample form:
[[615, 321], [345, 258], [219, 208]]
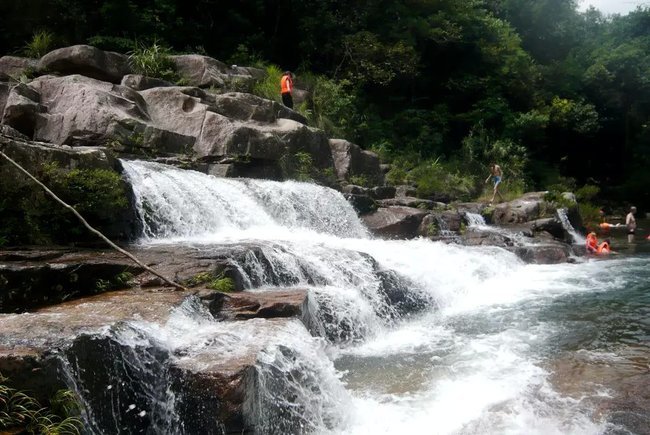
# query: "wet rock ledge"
[[89, 340]]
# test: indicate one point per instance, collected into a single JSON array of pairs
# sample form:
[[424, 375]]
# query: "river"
[[503, 347]]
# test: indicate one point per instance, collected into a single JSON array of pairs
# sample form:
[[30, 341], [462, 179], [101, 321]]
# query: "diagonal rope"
[[90, 228]]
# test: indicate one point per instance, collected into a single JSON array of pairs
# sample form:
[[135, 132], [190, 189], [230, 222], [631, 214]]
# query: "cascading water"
[[476, 222], [177, 203], [562, 214], [420, 336]]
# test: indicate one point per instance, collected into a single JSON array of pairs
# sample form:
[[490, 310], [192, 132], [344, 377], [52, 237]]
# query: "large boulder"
[[552, 226], [441, 224], [529, 207], [28, 340], [5, 88], [265, 304], [88, 61], [139, 82], [551, 253], [395, 222], [350, 161], [11, 67], [204, 72], [29, 280], [409, 201], [362, 203], [190, 111], [32, 155], [22, 109], [249, 107], [81, 111], [225, 381], [78, 106]]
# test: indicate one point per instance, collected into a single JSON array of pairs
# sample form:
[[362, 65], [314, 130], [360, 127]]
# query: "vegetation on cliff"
[[439, 88], [31, 217], [21, 413]]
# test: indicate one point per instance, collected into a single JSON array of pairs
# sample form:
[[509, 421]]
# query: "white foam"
[[477, 351]]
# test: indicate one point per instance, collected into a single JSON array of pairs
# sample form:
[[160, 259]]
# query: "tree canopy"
[[569, 92]]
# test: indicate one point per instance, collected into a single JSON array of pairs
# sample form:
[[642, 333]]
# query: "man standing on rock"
[[496, 173], [286, 86]]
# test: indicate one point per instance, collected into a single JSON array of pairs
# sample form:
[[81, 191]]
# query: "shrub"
[[590, 214], [243, 56], [112, 43], [221, 284], [22, 413], [42, 42], [304, 166], [28, 215], [153, 61], [587, 192], [218, 282], [479, 149], [269, 87], [431, 177], [359, 180], [333, 106]]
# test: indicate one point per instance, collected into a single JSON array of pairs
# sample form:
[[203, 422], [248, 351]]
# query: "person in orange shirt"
[[604, 248], [286, 87]]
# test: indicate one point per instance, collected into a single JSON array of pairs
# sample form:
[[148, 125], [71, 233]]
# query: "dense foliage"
[[22, 413], [440, 87], [32, 217]]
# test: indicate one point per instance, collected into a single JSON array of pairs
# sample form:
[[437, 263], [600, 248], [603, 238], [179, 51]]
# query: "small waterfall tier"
[[173, 202]]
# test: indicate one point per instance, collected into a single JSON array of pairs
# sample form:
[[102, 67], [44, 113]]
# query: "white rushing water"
[[468, 361], [563, 216]]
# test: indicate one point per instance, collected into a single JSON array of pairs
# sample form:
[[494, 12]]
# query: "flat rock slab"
[[395, 222], [30, 279], [53, 326], [264, 304], [29, 342]]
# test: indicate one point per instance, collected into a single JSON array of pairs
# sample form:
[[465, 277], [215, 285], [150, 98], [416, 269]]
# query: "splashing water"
[[474, 348], [174, 202], [576, 237]]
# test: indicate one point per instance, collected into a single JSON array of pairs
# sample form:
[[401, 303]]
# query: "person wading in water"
[[496, 174], [630, 222]]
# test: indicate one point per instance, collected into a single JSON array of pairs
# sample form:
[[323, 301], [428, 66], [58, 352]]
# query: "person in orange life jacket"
[[604, 248], [286, 87], [592, 243]]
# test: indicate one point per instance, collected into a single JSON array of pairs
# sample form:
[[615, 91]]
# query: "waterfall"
[[476, 222], [300, 234], [396, 331], [443, 229], [140, 377], [475, 219], [577, 238], [174, 202]]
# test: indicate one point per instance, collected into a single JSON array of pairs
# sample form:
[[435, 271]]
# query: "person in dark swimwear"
[[497, 175], [630, 223]]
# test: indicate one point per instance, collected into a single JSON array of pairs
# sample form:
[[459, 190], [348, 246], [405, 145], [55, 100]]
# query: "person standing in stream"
[[286, 87], [630, 222]]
